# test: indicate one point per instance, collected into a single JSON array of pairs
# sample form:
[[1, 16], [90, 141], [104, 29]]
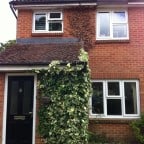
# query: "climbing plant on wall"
[[67, 86], [82, 24]]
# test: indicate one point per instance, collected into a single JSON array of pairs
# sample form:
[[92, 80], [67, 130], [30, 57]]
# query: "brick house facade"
[[115, 47]]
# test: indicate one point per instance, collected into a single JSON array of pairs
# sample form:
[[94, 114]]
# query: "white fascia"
[[21, 68], [136, 4], [53, 5]]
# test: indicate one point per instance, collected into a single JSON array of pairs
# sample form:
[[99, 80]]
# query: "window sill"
[[111, 121], [112, 41], [46, 34]]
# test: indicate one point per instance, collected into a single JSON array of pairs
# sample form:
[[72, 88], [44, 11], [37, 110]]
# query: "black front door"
[[20, 110]]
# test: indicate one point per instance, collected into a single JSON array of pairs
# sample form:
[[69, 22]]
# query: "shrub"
[[65, 119], [138, 128], [97, 138]]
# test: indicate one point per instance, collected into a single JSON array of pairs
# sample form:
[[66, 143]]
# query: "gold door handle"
[[19, 117]]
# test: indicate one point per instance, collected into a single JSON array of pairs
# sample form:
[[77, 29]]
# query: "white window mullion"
[[98, 25], [111, 25], [123, 98], [57, 22], [47, 22], [118, 28], [128, 89], [105, 98], [90, 105], [33, 24], [138, 97]]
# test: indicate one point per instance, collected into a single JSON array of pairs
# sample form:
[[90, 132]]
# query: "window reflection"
[[14, 97], [40, 22], [119, 17], [112, 25], [27, 97], [48, 22], [55, 26], [113, 89], [130, 98], [119, 31], [114, 107], [104, 24], [55, 15], [97, 98]]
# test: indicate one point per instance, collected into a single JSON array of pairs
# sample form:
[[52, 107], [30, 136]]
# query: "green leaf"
[[65, 119]]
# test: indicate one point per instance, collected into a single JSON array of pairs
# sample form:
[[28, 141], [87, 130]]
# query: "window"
[[48, 22], [115, 98], [112, 25]]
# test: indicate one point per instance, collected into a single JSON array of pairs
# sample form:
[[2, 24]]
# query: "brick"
[[107, 60]]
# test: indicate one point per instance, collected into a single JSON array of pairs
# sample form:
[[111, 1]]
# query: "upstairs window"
[[112, 25], [48, 22], [115, 98]]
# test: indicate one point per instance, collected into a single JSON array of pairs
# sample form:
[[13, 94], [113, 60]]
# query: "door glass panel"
[[113, 89], [27, 97], [114, 107], [14, 98], [97, 98], [130, 98]]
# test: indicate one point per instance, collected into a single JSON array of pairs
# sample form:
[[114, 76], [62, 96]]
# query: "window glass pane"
[[114, 107], [14, 97], [130, 98], [113, 89], [97, 98], [27, 97], [55, 15], [104, 22], [40, 22], [55, 26], [119, 30], [119, 17]]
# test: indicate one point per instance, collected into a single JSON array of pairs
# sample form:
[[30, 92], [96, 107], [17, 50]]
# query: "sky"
[[7, 22]]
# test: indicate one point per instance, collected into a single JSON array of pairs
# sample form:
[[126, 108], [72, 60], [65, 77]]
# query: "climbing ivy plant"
[[81, 24], [64, 120]]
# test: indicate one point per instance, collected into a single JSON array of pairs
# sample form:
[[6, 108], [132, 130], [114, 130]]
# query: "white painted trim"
[[135, 3], [34, 109], [5, 110], [48, 20], [5, 104], [111, 11], [21, 68], [53, 5], [123, 116]]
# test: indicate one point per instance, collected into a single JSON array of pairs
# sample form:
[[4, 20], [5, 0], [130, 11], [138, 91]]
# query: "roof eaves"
[[138, 2], [38, 2], [20, 67], [76, 62]]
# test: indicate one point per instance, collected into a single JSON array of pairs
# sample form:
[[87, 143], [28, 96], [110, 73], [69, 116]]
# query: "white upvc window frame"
[[48, 19], [111, 37], [121, 96]]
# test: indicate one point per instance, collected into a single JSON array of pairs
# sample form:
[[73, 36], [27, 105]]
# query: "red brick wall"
[[120, 60], [107, 59], [117, 131], [24, 24]]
